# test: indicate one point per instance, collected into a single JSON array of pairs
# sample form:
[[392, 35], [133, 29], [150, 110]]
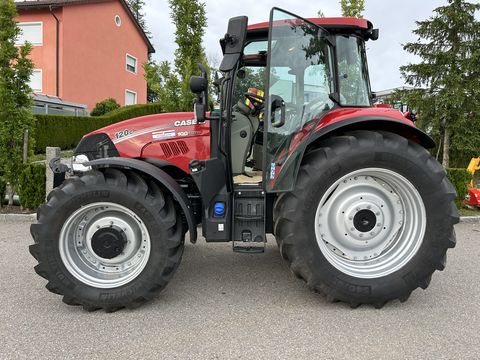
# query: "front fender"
[[159, 175]]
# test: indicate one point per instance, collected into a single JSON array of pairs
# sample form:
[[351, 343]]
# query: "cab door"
[[300, 80]]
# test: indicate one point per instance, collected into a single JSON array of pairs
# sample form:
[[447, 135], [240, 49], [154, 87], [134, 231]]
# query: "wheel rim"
[[370, 223], [104, 245]]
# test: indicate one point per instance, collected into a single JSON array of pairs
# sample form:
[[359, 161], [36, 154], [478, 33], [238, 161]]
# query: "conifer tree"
[[449, 48]]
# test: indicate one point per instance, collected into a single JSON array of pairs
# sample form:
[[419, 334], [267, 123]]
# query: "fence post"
[[52, 152], [25, 146]]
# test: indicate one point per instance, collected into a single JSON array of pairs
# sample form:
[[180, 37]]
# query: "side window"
[[353, 75], [283, 83], [252, 77]]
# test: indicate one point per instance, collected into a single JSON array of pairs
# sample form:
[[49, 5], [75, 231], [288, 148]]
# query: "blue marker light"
[[219, 209]]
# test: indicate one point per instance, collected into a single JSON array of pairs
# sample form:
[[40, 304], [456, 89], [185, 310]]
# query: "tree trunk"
[[446, 148]]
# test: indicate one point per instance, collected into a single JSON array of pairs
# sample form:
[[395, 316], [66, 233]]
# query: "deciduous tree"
[[352, 8], [190, 21], [169, 84]]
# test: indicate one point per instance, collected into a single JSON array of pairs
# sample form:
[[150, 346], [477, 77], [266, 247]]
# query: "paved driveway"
[[223, 305]]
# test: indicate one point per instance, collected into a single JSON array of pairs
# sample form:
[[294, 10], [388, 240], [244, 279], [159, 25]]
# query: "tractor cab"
[[279, 80]]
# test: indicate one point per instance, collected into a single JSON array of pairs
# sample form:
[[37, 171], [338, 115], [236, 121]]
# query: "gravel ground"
[[224, 305]]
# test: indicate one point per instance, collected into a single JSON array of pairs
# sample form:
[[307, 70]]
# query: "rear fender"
[[159, 175], [373, 123]]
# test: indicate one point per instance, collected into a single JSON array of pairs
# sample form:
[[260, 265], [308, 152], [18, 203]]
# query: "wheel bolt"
[[361, 235]]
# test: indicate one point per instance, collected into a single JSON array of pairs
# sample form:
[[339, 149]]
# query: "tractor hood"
[[140, 137]]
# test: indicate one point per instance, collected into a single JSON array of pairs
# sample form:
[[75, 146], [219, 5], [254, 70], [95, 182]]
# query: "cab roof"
[[327, 22], [334, 25]]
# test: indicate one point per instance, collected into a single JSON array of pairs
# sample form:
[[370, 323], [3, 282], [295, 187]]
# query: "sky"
[[395, 19]]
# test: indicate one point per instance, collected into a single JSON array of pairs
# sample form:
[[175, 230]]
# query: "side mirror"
[[199, 86], [233, 42]]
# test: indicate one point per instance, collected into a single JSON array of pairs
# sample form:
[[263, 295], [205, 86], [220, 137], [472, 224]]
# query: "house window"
[[31, 32], [131, 64], [36, 80], [130, 97]]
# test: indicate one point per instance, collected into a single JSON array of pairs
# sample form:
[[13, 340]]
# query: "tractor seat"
[[243, 128]]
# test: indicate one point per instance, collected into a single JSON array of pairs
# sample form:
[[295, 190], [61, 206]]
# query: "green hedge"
[[459, 178], [31, 187], [66, 131]]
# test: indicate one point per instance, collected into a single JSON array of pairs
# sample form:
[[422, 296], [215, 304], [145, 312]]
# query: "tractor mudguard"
[[374, 123], [159, 175], [402, 128]]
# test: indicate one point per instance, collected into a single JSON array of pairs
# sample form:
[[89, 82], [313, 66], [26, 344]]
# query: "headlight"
[[78, 161]]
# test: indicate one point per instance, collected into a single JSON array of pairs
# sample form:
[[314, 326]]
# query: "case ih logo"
[[185, 122]]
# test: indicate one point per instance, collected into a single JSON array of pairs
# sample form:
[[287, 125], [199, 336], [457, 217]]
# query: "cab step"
[[249, 220], [248, 248]]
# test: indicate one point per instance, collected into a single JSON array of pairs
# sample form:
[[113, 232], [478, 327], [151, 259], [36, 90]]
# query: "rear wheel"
[[109, 239], [370, 219]]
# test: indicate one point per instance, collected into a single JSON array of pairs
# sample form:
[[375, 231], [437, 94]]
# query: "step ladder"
[[249, 219]]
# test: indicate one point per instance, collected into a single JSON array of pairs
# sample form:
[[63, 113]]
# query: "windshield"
[[352, 72]]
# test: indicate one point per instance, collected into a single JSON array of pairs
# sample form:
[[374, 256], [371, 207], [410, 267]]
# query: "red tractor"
[[358, 207]]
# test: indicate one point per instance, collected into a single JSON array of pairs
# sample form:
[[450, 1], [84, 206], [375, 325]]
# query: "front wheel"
[[370, 219], [108, 239]]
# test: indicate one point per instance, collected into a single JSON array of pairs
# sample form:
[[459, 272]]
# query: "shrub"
[[66, 131], [105, 106], [459, 178], [32, 186]]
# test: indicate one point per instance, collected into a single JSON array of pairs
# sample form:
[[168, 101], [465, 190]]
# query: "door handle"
[[277, 103]]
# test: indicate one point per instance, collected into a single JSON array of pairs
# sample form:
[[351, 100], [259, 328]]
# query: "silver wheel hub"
[[370, 222], [104, 245]]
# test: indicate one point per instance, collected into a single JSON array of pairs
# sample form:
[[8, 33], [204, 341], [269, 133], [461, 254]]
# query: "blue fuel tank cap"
[[219, 209]]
